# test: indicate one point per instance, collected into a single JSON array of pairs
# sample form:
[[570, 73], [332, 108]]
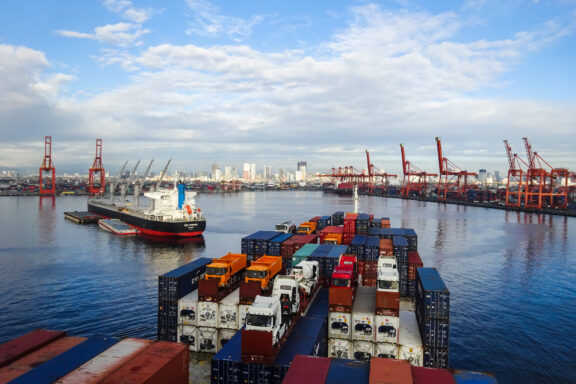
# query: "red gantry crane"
[[546, 186], [96, 174], [415, 181], [377, 177], [47, 179], [453, 180], [516, 184]]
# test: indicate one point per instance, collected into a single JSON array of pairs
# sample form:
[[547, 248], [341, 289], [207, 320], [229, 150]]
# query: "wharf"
[[83, 217]]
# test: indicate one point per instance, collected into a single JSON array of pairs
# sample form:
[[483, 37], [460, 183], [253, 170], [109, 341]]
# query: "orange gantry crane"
[[546, 186], [96, 174], [415, 181], [453, 181], [47, 178], [377, 177], [516, 184]]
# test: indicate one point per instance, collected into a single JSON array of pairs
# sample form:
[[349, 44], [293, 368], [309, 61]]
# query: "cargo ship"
[[172, 213]]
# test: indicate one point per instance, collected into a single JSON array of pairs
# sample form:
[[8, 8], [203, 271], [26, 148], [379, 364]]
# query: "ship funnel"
[[181, 195]]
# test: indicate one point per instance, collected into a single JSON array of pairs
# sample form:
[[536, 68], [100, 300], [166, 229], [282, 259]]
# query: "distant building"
[[214, 171], [482, 176], [246, 171], [267, 172], [301, 171], [227, 172]]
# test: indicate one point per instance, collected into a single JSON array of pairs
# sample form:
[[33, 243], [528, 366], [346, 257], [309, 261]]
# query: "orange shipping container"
[[34, 359], [386, 247], [389, 371], [25, 344], [160, 363]]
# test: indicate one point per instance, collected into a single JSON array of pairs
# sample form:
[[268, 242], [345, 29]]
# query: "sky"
[[276, 82]]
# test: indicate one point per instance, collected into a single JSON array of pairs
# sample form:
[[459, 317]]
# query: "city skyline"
[[201, 82]]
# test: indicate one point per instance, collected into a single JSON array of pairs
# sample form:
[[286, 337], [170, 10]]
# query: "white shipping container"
[[242, 310], [387, 350], [224, 335], [340, 348], [207, 339], [188, 309], [105, 363], [207, 314], [363, 314], [228, 310], [340, 325], [363, 350], [188, 334], [410, 344], [387, 329]]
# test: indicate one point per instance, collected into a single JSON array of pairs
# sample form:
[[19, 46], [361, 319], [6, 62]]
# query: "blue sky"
[[276, 82]]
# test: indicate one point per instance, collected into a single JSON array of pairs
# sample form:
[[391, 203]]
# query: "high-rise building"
[[253, 171], [301, 171], [234, 172], [214, 169], [246, 171], [267, 172], [227, 172], [482, 175]]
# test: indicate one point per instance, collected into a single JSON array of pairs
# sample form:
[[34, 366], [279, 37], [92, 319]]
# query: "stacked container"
[[409, 341], [293, 244], [349, 228], [400, 245], [323, 222], [188, 320], [369, 259], [362, 223], [257, 243], [414, 262], [173, 286], [275, 245], [433, 314], [303, 253], [338, 218], [331, 229], [363, 323], [340, 344]]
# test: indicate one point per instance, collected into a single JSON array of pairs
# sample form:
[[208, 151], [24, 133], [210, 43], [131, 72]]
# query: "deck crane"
[[130, 181], [96, 173], [162, 175], [115, 183], [545, 185], [47, 177], [516, 184], [137, 184], [453, 180], [375, 173], [415, 181]]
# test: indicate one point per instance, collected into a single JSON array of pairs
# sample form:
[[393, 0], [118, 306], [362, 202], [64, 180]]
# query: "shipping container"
[[226, 366], [307, 338], [319, 307], [101, 366], [290, 246], [303, 253], [208, 314], [228, 310], [331, 229], [436, 357], [387, 350], [207, 339], [256, 373], [363, 314], [434, 332], [400, 245], [256, 244], [242, 310], [340, 348], [307, 370], [25, 344], [160, 363], [372, 248], [422, 375], [67, 361], [363, 350], [323, 222], [357, 246], [432, 296], [389, 371], [410, 345], [173, 286], [340, 325], [386, 247], [348, 372], [386, 301], [362, 223], [338, 218], [350, 223], [387, 329], [35, 358], [188, 334], [471, 377], [224, 336], [414, 262], [275, 245], [188, 309]]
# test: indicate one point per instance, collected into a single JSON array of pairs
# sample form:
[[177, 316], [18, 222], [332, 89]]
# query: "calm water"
[[512, 276]]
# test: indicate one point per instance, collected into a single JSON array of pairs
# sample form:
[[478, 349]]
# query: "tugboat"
[[172, 213]]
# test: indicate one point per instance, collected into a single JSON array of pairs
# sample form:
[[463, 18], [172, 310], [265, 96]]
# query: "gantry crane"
[[516, 184], [96, 174], [546, 186], [47, 178], [375, 175], [453, 180], [415, 181]]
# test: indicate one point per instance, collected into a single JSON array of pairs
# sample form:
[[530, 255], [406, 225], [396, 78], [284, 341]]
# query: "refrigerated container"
[[340, 325], [188, 309], [207, 314], [409, 343], [340, 348], [387, 350], [188, 334], [363, 314], [387, 329], [363, 350], [228, 310], [207, 339], [224, 336]]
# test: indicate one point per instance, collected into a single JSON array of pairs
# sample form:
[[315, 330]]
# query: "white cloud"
[[125, 7], [209, 21], [120, 34]]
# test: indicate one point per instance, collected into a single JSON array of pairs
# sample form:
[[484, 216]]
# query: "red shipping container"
[[307, 369], [385, 223], [421, 375], [414, 262], [386, 247], [40, 356], [389, 371], [330, 229], [370, 269], [347, 238], [160, 363], [25, 344], [387, 300], [295, 243]]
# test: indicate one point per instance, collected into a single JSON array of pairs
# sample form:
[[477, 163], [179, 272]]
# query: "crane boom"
[[147, 171], [162, 175], [133, 173]]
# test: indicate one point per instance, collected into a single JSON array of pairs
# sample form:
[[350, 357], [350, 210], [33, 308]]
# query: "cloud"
[[128, 12], [208, 21], [120, 34]]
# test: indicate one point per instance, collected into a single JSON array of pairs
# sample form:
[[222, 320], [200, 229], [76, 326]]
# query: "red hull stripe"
[[168, 234]]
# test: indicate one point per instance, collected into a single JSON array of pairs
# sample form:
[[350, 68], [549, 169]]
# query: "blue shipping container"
[[434, 332], [181, 281], [226, 366], [400, 245], [432, 296], [52, 370], [275, 245], [348, 372], [319, 307], [436, 357]]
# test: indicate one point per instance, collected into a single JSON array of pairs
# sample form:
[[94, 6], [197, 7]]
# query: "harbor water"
[[511, 276]]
